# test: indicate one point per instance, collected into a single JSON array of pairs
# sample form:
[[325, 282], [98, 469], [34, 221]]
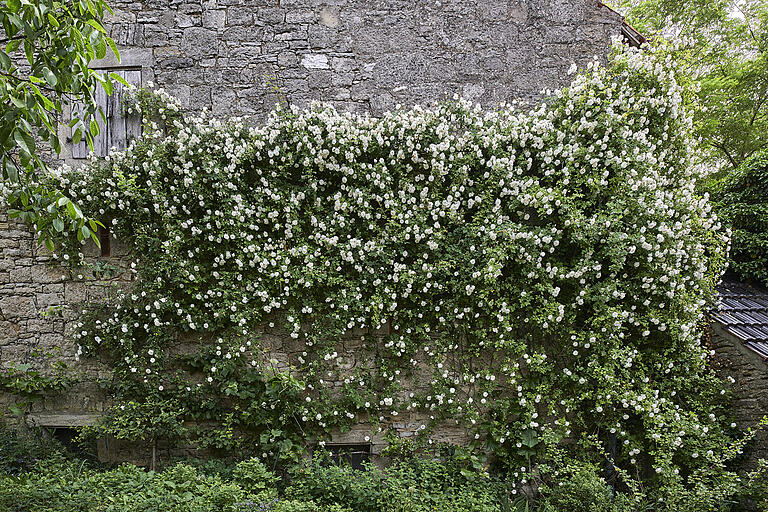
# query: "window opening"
[[354, 455], [104, 241], [120, 129]]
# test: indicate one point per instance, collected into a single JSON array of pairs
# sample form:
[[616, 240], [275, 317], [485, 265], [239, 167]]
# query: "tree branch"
[[725, 151]]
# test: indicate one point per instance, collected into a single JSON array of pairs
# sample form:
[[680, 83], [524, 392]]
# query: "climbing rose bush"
[[537, 279]]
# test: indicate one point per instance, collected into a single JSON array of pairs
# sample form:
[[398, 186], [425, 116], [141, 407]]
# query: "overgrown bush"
[[58, 485], [19, 454], [742, 202], [544, 274], [580, 488]]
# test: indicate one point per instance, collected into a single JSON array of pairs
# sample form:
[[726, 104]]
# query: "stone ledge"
[[61, 420]]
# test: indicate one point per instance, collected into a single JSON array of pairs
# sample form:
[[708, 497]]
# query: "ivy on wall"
[[535, 277]]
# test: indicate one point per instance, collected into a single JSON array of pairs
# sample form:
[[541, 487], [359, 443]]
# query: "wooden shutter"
[[120, 129]]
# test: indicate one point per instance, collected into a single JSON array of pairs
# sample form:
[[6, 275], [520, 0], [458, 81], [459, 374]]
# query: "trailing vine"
[[535, 278]]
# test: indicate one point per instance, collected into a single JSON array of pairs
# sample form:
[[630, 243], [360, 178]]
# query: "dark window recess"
[[68, 438], [352, 455], [120, 129], [104, 241]]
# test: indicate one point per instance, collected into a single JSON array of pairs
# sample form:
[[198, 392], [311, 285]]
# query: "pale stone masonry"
[[360, 55], [750, 387], [739, 336], [240, 58]]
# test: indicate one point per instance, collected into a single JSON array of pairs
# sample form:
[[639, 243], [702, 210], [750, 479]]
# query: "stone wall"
[[239, 57], [750, 387], [39, 300]]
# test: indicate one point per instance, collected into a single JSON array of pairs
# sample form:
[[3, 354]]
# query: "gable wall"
[[239, 57], [361, 55]]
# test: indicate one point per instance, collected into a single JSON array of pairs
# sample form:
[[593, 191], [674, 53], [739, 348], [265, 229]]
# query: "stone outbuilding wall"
[[361, 55], [749, 372], [240, 58]]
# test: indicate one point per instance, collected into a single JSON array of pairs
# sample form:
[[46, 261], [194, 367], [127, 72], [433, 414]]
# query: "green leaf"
[[29, 51], [11, 171], [49, 76], [12, 46], [16, 410], [107, 85], [113, 46], [530, 438], [95, 24], [14, 5], [91, 8], [118, 78], [58, 225], [101, 48], [24, 141], [71, 210], [18, 102]]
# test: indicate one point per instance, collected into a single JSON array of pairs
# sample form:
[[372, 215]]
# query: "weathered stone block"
[[315, 61], [17, 307], [214, 19], [199, 42]]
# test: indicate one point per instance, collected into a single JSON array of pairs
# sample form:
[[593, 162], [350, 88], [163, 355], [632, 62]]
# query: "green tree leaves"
[[44, 69], [743, 203], [725, 52]]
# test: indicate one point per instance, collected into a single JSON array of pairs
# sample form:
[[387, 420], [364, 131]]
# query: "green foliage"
[[65, 487], [755, 492], [544, 275], [580, 488], [19, 454], [30, 384], [253, 475], [149, 420], [56, 485], [415, 485], [742, 203], [723, 48], [47, 46]]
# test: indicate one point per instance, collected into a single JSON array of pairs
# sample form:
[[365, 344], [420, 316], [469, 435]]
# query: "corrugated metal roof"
[[742, 310]]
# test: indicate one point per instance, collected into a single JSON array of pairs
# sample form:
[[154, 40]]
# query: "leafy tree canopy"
[[726, 56], [46, 47]]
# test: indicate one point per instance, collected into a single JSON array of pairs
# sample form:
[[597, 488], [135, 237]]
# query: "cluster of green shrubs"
[[39, 477], [60, 485], [741, 199]]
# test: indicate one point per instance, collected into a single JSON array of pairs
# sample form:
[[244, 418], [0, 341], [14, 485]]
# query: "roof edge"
[[631, 35]]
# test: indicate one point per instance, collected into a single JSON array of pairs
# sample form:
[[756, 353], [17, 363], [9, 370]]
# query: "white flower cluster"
[[544, 265]]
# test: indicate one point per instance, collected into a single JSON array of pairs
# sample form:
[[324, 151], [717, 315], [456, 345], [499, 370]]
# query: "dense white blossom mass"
[[533, 276]]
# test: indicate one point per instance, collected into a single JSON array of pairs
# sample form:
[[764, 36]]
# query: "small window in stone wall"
[[67, 436], [352, 455], [120, 129]]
